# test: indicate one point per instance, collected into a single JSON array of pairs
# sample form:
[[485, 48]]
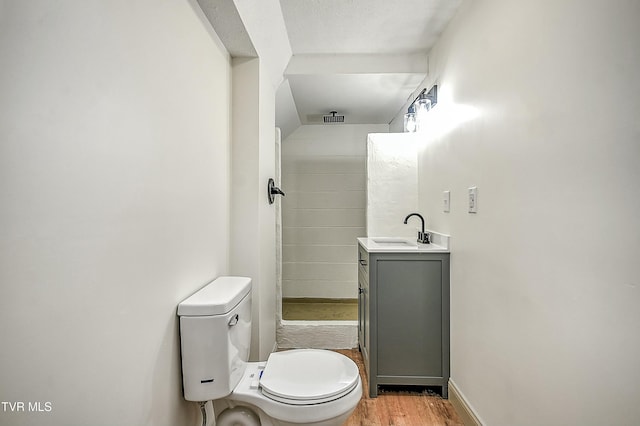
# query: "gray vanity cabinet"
[[364, 331], [403, 318]]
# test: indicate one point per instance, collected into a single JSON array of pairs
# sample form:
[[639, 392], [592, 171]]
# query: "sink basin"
[[393, 241], [405, 245]]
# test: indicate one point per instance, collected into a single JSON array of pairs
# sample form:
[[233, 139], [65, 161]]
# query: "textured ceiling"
[[358, 56], [365, 26], [361, 98], [361, 58]]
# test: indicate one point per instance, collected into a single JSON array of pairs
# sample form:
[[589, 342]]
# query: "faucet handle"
[[424, 237]]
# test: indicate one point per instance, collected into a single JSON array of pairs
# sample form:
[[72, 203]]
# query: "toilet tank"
[[215, 336]]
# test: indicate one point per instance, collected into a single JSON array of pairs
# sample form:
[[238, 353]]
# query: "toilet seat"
[[308, 376], [249, 392]]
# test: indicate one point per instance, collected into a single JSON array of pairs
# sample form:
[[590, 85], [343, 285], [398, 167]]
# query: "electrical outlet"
[[446, 200], [473, 199]]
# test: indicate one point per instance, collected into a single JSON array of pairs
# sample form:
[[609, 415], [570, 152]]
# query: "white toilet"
[[306, 386]]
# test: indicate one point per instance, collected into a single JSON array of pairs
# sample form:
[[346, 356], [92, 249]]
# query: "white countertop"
[[440, 244]]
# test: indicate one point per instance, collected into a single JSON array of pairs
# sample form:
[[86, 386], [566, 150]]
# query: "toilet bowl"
[[297, 387], [307, 386]]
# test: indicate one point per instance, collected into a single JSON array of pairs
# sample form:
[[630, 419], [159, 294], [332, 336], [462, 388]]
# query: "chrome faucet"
[[423, 237]]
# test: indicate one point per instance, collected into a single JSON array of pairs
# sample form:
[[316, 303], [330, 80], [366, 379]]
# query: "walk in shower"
[[324, 174]]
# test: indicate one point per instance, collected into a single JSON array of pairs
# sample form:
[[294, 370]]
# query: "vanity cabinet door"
[[409, 312]]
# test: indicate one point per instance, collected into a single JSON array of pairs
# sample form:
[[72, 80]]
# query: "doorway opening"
[[323, 172]]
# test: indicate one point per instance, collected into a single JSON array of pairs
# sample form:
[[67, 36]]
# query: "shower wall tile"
[[329, 217], [322, 236], [356, 199], [320, 288], [328, 164], [320, 271], [336, 182], [324, 211], [320, 253]]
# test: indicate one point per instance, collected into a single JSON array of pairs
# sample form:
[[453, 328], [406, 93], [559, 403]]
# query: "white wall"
[[392, 185], [114, 195], [324, 177], [253, 223], [245, 227], [267, 215], [253, 237], [539, 108]]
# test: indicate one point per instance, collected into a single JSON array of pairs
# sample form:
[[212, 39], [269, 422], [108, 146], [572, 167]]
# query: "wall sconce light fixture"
[[415, 117]]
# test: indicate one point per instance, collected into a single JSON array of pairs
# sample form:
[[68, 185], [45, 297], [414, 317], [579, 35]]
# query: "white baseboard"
[[460, 403]]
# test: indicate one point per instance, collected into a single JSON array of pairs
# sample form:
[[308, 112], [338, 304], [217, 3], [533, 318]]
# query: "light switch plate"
[[473, 199], [446, 201]]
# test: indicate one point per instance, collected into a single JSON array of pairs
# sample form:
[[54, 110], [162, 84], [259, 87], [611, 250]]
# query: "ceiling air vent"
[[333, 118]]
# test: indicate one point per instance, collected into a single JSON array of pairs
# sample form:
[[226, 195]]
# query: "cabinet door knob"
[[363, 262], [360, 290]]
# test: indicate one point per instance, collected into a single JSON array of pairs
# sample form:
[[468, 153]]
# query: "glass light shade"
[[423, 106], [410, 123]]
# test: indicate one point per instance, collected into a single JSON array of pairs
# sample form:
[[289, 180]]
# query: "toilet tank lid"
[[218, 297]]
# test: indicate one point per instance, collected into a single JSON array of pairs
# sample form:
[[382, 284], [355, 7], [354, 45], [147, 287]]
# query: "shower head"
[[333, 118]]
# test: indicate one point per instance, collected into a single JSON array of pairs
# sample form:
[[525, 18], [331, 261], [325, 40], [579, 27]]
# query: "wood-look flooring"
[[399, 408]]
